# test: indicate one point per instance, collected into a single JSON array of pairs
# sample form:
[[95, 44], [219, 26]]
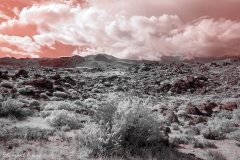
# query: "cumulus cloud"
[[125, 29]]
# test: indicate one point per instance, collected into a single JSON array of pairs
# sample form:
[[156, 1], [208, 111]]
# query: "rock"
[[200, 119], [191, 109], [207, 108], [229, 106], [56, 77], [4, 76], [23, 73], [42, 83], [172, 117]]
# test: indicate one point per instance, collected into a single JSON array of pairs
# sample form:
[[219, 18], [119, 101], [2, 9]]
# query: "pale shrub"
[[35, 102], [175, 126], [215, 155], [236, 114], [234, 135], [6, 84], [45, 114], [26, 90], [226, 125], [59, 105], [59, 118], [213, 133], [123, 124], [60, 94], [14, 108]]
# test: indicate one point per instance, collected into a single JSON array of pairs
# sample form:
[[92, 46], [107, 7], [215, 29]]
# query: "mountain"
[[94, 61]]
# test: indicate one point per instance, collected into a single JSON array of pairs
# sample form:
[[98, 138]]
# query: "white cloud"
[[107, 28]]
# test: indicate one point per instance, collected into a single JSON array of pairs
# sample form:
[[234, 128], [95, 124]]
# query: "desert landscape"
[[119, 80], [102, 107]]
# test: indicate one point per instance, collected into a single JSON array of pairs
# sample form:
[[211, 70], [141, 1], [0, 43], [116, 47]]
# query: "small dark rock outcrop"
[[42, 83]]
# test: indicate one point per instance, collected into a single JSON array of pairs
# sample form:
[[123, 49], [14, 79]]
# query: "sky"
[[128, 29]]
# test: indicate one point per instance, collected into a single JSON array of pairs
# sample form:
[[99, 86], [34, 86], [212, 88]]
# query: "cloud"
[[126, 29]]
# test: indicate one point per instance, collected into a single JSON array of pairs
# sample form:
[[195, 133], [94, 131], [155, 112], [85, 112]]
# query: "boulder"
[[22, 72], [42, 83], [191, 109]]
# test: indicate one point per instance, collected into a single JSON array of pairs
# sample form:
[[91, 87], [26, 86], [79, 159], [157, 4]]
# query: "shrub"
[[234, 135], [35, 102], [26, 90], [59, 118], [236, 114], [14, 108], [45, 114], [223, 114], [175, 126], [121, 126], [226, 125], [25, 133], [59, 105], [215, 155], [175, 141], [60, 94], [192, 131], [6, 84], [213, 133], [203, 144]]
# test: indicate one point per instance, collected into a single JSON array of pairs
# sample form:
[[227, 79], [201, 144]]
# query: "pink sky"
[[132, 29]]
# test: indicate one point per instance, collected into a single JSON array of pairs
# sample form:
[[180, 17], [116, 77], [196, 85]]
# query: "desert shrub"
[[35, 102], [236, 114], [176, 140], [213, 133], [215, 155], [44, 95], [202, 144], [45, 114], [59, 118], [6, 84], [65, 106], [123, 125], [60, 94], [175, 126], [14, 108], [226, 125], [192, 131], [26, 101], [59, 105], [200, 126], [25, 133], [223, 114], [90, 102], [234, 135], [26, 90], [181, 113]]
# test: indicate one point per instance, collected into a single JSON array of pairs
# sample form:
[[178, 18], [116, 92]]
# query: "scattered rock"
[[42, 83]]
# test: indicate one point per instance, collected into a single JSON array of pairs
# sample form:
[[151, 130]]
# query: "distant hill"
[[94, 61]]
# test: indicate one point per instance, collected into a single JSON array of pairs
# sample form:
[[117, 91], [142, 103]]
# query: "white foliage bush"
[[14, 108], [26, 90], [6, 84], [123, 124], [59, 105], [60, 94], [59, 118]]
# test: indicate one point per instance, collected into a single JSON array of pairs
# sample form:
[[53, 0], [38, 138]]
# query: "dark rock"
[[207, 108], [191, 109], [42, 83], [23, 73], [56, 77], [229, 106], [172, 117], [200, 119], [4, 76]]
